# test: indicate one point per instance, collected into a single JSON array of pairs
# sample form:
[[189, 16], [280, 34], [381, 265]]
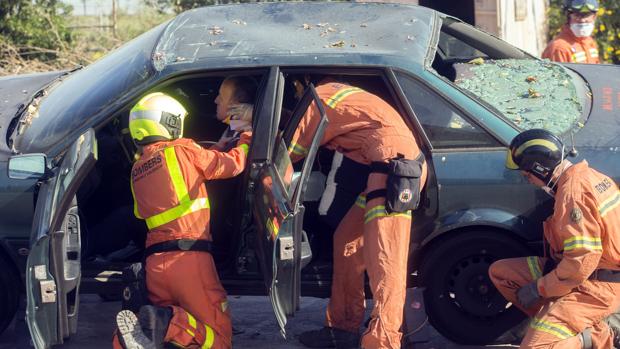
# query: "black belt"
[[179, 245], [606, 275]]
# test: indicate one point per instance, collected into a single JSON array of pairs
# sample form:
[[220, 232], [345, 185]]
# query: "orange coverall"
[[365, 128], [568, 48], [186, 281], [583, 235]]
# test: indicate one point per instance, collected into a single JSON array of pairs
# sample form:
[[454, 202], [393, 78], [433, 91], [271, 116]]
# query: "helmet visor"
[[583, 6]]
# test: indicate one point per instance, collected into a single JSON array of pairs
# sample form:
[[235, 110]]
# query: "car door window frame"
[[393, 76]]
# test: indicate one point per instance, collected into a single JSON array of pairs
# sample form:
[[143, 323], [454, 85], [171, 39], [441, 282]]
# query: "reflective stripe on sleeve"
[[337, 97], [585, 242], [532, 263], [609, 204], [298, 149], [379, 211], [245, 148], [554, 329]]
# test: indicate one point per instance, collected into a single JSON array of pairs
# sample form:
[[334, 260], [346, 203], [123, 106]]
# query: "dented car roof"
[[297, 30]]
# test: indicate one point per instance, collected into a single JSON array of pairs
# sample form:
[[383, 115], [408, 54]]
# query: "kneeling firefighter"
[[189, 307], [376, 178], [572, 294]]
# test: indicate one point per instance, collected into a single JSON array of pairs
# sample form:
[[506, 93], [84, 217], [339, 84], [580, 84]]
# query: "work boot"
[[330, 337], [613, 321], [130, 332], [154, 321]]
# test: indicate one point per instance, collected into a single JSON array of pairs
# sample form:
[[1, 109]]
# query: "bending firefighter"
[[189, 304], [574, 44], [366, 132], [569, 292]]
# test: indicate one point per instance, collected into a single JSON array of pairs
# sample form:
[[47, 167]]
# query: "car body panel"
[[467, 187], [279, 212], [602, 128], [17, 91], [507, 198], [296, 30], [53, 266]]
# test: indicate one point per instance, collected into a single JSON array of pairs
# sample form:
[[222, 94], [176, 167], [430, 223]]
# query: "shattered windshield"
[[530, 93]]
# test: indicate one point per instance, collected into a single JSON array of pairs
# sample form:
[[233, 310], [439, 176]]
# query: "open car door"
[[282, 247], [53, 267]]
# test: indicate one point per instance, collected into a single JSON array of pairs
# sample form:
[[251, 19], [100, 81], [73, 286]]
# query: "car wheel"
[[461, 301], [9, 293]]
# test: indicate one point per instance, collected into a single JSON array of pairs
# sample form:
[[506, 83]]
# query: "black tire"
[[461, 301], [9, 293]]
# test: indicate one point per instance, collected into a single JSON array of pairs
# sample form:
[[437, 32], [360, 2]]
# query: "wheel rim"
[[470, 289]]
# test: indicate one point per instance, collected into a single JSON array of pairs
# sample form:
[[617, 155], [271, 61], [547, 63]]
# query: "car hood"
[[17, 91], [602, 129]]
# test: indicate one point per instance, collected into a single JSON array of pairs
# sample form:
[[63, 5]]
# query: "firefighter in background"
[[365, 131], [575, 44], [189, 308], [571, 290]]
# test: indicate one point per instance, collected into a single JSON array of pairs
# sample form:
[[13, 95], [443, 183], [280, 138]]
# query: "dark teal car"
[[66, 222]]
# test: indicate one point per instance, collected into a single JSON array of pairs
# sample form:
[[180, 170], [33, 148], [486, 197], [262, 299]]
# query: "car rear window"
[[530, 93]]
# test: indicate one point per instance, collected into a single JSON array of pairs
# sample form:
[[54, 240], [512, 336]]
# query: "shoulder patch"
[[576, 215]]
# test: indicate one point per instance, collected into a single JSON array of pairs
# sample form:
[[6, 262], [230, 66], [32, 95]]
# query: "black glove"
[[528, 295]]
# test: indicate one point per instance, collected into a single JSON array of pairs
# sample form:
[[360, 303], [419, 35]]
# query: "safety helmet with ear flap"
[[156, 117], [536, 151]]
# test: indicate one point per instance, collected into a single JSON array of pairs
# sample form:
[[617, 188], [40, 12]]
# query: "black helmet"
[[536, 151], [580, 6]]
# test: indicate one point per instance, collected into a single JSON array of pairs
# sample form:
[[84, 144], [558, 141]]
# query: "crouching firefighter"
[[572, 294], [189, 307], [380, 171]]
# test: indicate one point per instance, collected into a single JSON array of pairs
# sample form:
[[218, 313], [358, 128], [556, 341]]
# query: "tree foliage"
[[179, 6], [36, 24], [607, 32]]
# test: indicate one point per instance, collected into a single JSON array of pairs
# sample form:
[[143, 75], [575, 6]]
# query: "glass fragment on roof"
[[530, 93]]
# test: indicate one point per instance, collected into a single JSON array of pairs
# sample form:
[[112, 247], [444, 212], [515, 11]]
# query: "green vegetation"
[[42, 35], [607, 32]]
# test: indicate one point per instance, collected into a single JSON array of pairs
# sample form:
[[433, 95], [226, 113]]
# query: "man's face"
[[533, 179], [224, 99], [577, 17]]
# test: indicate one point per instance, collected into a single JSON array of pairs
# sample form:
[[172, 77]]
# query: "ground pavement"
[[251, 315]]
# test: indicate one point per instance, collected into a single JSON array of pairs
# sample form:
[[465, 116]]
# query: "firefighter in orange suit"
[[575, 44], [571, 290], [364, 129], [189, 303]]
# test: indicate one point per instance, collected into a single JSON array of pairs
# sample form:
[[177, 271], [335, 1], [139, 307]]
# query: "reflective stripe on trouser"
[[369, 239], [557, 324], [186, 331], [189, 280]]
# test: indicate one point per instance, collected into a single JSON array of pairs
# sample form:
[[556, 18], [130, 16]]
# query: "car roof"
[[299, 32]]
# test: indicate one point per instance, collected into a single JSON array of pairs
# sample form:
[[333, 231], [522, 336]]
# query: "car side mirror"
[[28, 166]]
